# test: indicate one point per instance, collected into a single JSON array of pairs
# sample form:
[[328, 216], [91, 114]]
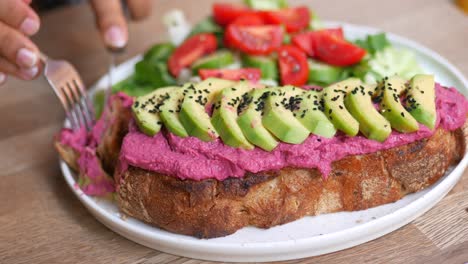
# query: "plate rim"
[[252, 251]]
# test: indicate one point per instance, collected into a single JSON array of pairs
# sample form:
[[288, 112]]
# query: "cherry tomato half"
[[224, 14], [255, 40], [305, 40], [337, 51], [190, 50], [293, 65], [294, 19], [251, 74], [249, 20]]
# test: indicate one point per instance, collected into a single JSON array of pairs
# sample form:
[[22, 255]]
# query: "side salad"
[[264, 41]]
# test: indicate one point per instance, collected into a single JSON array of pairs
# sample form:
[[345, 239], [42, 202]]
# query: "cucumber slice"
[[324, 73], [267, 4], [391, 61], [267, 65], [217, 60]]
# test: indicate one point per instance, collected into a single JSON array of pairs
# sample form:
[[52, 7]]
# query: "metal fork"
[[69, 88]]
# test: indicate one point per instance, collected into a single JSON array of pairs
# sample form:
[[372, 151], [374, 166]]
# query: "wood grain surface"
[[42, 222]]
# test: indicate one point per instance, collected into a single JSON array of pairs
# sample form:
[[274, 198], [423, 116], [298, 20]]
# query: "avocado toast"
[[206, 187]]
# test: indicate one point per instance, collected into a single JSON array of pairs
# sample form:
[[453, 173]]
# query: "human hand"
[[111, 20], [19, 56]]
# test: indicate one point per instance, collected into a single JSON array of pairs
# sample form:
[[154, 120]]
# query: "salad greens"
[[208, 25], [159, 52], [382, 58]]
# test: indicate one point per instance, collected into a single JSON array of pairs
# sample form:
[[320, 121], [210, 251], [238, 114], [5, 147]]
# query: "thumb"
[[111, 22]]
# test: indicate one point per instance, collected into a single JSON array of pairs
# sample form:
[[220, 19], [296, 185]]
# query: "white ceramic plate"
[[309, 236]]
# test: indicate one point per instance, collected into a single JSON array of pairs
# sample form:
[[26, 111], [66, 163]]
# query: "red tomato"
[[248, 20], [190, 50], [255, 40], [337, 51], [294, 19], [224, 14], [293, 65], [305, 40], [335, 31], [251, 74]]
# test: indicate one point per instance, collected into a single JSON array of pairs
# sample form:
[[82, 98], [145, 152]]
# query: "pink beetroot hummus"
[[191, 158], [93, 180]]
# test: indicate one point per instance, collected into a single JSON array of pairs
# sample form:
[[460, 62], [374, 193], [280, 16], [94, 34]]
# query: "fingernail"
[[26, 58], [29, 26], [2, 78], [30, 73], [115, 37]]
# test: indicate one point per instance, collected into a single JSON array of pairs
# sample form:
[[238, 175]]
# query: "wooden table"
[[42, 222]]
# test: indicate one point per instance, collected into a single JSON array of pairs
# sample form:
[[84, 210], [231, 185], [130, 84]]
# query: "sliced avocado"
[[323, 73], [310, 114], [267, 65], [279, 117], [217, 60], [250, 119], [198, 98], [333, 102], [391, 107], [420, 99], [224, 118], [146, 110], [169, 111], [372, 124]]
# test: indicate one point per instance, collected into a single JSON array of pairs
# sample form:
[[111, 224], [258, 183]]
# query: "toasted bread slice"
[[212, 208]]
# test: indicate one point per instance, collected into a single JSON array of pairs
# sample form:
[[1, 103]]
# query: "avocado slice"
[[420, 99], [224, 118], [146, 110], [311, 115], [371, 123], [198, 98], [250, 119], [391, 107], [169, 111], [333, 103], [279, 116]]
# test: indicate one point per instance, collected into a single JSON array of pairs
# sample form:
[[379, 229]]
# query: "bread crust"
[[212, 208]]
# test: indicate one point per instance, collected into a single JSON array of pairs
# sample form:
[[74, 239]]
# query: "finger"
[[8, 68], [19, 15], [3, 78], [17, 48], [111, 22], [139, 9]]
